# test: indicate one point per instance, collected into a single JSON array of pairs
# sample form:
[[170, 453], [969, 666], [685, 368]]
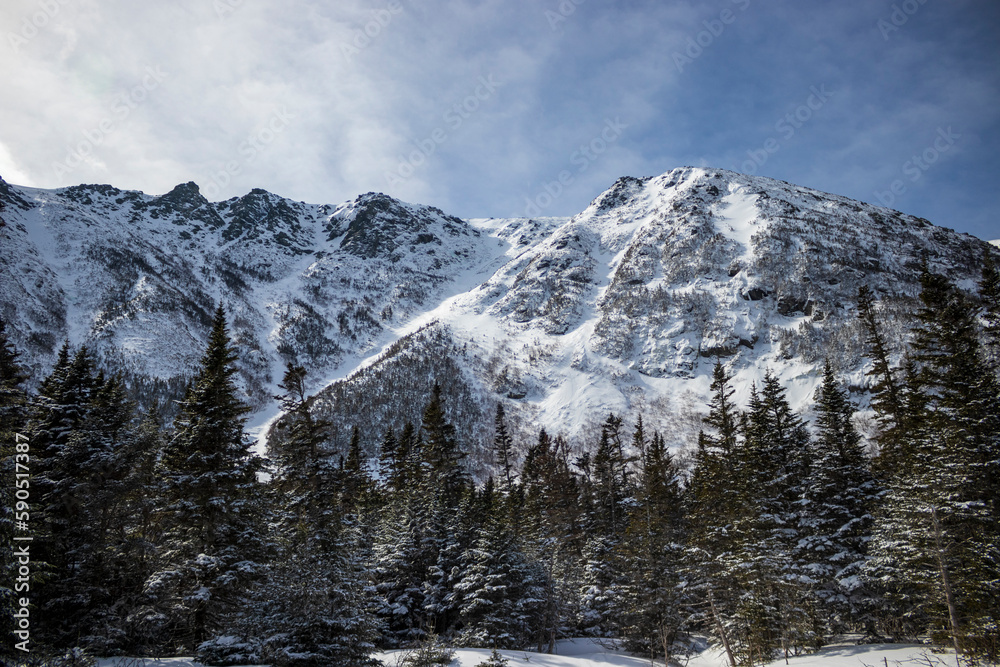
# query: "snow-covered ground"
[[594, 653]]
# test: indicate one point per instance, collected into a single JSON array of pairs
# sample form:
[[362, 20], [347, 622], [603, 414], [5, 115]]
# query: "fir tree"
[[989, 293], [212, 504], [935, 538], [65, 401], [838, 499], [766, 606], [503, 447], [713, 506], [441, 452], [387, 461], [652, 614], [887, 396], [556, 510], [611, 486], [500, 593], [356, 486]]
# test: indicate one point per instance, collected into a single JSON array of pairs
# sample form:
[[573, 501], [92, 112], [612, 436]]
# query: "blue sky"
[[507, 107]]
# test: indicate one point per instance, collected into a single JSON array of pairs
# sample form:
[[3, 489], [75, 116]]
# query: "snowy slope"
[[626, 306], [591, 653], [623, 307]]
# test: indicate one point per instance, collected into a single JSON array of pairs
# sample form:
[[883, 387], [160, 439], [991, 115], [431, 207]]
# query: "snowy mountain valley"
[[711, 419]]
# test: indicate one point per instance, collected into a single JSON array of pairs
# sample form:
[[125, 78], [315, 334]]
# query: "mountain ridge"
[[622, 307]]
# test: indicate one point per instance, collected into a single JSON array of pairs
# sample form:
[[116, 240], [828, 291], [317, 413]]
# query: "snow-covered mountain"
[[623, 307]]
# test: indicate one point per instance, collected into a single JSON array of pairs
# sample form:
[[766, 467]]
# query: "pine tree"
[[611, 487], [310, 607], [936, 536], [770, 464], [500, 594], [556, 509], [91, 467], [723, 417], [387, 461], [356, 485], [503, 448], [989, 292], [964, 396], [441, 453], [299, 449], [837, 501], [887, 395], [713, 507], [400, 563], [212, 504], [65, 401], [652, 614], [611, 492]]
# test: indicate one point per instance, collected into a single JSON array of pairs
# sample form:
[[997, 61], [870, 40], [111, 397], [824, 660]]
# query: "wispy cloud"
[[364, 83]]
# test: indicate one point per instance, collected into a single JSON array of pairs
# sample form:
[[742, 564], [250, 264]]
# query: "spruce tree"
[[611, 493], [652, 613], [713, 506], [502, 594], [936, 536], [989, 293], [442, 453], [387, 459], [770, 464], [503, 448], [309, 606], [835, 522], [887, 395], [356, 485], [610, 486], [65, 402], [556, 510], [212, 504]]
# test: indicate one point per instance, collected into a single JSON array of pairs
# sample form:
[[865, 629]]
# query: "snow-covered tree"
[[837, 501], [652, 599], [501, 593], [212, 505], [934, 549]]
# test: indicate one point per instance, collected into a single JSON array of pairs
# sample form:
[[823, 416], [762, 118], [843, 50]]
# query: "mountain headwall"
[[623, 307]]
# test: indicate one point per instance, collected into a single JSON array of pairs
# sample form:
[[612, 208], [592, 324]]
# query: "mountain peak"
[[189, 190], [184, 204]]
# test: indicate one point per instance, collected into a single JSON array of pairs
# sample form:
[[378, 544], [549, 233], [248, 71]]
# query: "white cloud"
[[10, 171]]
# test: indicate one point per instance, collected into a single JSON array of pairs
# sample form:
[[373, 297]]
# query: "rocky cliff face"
[[623, 307]]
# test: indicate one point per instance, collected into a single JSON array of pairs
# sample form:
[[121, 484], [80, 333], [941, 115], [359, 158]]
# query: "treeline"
[[155, 539]]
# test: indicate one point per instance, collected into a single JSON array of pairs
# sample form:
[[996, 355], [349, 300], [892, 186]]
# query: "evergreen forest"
[[772, 534]]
